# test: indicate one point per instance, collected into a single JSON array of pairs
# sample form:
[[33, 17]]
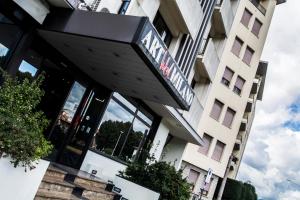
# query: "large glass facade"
[[9, 36], [122, 130]]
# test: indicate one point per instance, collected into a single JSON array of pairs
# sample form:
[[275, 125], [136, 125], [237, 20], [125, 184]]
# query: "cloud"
[[271, 161]]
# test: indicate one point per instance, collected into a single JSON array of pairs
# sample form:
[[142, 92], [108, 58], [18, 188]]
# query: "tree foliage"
[[21, 124], [160, 177], [237, 190]]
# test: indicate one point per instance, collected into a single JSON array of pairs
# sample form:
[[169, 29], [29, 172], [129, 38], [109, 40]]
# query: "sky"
[[272, 157]]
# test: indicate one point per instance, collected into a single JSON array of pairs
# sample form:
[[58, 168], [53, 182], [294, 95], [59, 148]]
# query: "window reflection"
[[66, 115], [113, 129], [3, 53], [134, 141], [123, 130], [25, 67], [73, 100]]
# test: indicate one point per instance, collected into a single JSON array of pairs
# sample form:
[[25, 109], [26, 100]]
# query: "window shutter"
[[228, 119], [216, 110], [193, 177], [256, 27], [239, 82], [246, 17], [219, 148], [248, 55], [207, 141], [237, 45], [228, 74]]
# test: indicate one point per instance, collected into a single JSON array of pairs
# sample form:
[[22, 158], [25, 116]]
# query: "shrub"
[[21, 124], [160, 177]]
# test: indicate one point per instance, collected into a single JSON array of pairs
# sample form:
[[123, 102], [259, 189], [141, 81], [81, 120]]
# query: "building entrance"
[[84, 127]]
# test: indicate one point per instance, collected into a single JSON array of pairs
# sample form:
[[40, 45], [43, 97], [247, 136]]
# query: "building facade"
[[234, 81], [118, 79]]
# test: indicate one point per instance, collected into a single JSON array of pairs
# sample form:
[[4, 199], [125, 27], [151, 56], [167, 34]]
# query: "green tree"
[[237, 190], [21, 124], [160, 177]]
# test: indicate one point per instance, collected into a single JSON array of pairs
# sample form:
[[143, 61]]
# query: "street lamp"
[[121, 132]]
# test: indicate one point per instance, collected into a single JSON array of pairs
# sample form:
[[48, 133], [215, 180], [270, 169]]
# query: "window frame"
[[248, 48], [258, 22], [222, 107], [236, 89], [208, 146], [159, 20], [232, 120], [251, 14], [241, 42], [224, 80], [223, 149]]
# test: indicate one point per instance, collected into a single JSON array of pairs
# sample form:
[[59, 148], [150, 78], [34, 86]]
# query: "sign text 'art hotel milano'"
[[157, 52]]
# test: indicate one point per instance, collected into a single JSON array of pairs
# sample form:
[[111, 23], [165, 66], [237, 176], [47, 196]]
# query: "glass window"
[[73, 101], [134, 140], [25, 67], [207, 141], [246, 17], [124, 101], [227, 76], [248, 55], [238, 86], [216, 109], [218, 151], [193, 177], [123, 129], [3, 53], [256, 27], [66, 115], [113, 130], [10, 35], [229, 116], [162, 29], [237, 46]]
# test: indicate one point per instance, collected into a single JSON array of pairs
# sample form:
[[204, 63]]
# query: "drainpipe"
[[222, 187], [124, 7]]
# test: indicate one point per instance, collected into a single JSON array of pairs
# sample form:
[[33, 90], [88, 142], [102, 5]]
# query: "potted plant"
[[21, 123]]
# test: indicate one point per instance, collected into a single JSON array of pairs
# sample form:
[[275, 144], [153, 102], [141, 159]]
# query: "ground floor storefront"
[[105, 103]]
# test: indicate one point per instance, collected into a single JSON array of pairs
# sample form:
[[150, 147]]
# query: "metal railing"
[[260, 7]]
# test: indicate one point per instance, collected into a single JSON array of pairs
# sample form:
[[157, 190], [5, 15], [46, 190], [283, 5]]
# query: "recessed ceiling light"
[[155, 97], [116, 54], [115, 73]]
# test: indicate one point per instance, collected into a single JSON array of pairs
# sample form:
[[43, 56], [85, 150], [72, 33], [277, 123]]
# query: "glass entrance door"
[[84, 129], [60, 131]]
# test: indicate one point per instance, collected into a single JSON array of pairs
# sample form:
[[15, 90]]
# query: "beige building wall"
[[225, 94]]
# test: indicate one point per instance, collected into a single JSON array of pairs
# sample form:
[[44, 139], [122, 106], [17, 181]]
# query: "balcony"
[[249, 105], [243, 125], [254, 86], [238, 143], [193, 116], [186, 15], [208, 60], [222, 19], [259, 6]]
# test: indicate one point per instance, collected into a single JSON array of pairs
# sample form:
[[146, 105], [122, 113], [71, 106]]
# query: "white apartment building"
[[233, 83]]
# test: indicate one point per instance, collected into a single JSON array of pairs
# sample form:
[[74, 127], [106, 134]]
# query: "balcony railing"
[[260, 7]]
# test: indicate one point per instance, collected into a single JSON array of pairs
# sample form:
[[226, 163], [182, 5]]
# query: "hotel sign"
[[163, 64]]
